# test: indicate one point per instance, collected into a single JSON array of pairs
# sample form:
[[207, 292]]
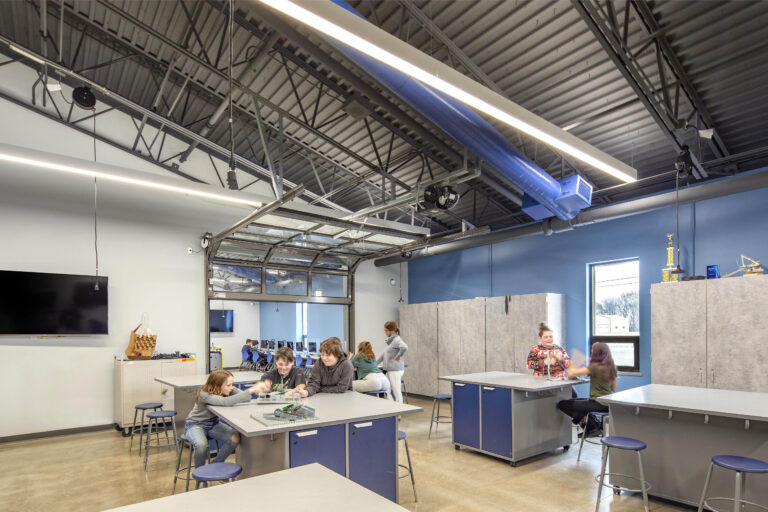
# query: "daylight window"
[[615, 310]]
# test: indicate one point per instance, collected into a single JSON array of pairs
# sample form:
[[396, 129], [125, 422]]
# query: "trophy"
[[670, 273]]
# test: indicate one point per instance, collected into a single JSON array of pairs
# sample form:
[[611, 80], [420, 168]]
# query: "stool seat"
[[442, 396], [161, 414], [217, 471], [400, 435], [743, 464], [623, 443], [149, 405]]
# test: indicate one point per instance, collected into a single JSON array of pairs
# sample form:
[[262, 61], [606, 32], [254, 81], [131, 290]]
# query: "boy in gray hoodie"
[[332, 373]]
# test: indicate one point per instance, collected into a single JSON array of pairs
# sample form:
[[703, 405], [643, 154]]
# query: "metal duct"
[[471, 130], [709, 190]]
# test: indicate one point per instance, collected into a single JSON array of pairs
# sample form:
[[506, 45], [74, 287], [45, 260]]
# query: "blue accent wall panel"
[[714, 231], [324, 321], [277, 321]]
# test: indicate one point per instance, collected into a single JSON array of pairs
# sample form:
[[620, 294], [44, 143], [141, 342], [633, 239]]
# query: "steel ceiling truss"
[[661, 84]]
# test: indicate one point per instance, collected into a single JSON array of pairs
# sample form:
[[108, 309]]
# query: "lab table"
[[185, 390], [311, 487], [512, 416], [353, 434], [683, 428]]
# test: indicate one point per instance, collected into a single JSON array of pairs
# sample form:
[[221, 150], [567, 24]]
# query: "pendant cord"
[[95, 208]]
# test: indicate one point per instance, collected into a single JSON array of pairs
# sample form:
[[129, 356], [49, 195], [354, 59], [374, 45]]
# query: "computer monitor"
[[291, 345], [299, 346], [312, 345], [263, 344], [271, 344], [280, 344]]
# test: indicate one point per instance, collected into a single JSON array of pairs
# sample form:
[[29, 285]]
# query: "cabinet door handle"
[[486, 388], [713, 376], [458, 384], [306, 433], [363, 425]]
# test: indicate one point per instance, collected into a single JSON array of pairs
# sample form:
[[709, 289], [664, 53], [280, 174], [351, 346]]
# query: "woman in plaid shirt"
[[546, 358]]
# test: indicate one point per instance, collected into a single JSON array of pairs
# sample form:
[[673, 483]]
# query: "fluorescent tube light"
[[125, 179], [547, 133], [25, 53]]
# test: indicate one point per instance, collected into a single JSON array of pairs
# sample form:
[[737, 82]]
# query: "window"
[[615, 310]]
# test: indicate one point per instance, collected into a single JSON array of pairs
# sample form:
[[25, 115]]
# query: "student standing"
[[202, 425], [369, 376], [546, 358], [332, 373], [391, 359], [602, 381]]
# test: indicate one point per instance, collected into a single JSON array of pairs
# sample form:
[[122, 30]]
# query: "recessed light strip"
[[125, 179], [334, 30]]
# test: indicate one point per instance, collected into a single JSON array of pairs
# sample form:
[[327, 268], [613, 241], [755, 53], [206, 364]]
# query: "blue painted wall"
[[324, 321], [279, 320], [715, 231]]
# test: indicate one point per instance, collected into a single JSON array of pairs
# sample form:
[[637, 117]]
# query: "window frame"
[[632, 339]]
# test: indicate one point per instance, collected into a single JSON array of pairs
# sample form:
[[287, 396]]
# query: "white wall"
[[376, 301], [246, 326], [58, 383]]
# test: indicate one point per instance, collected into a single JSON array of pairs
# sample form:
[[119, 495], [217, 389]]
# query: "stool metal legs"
[[643, 487], [706, 486], [165, 429], [179, 468], [739, 492], [436, 419], [409, 469]]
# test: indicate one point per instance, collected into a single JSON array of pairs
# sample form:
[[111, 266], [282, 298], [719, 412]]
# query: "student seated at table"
[[285, 376], [602, 381], [546, 358], [332, 373], [369, 375], [202, 424]]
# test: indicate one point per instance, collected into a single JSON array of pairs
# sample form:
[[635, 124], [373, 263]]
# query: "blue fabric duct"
[[466, 126]]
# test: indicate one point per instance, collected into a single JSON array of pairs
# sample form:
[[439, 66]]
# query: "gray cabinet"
[[679, 333], [418, 327], [474, 335], [736, 327], [710, 333]]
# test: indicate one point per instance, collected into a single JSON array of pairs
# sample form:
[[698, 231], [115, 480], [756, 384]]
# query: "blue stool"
[[742, 466], [143, 408], [409, 468], [216, 472], [622, 443], [155, 417], [602, 417], [436, 399], [380, 393]]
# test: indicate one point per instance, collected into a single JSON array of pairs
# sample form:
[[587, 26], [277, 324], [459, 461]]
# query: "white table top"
[[195, 381], [323, 488], [330, 409], [519, 381], [716, 402]]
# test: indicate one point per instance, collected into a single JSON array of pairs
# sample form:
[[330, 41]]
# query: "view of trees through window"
[[616, 298]]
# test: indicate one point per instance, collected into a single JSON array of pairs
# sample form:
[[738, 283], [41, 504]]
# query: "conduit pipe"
[[471, 130], [708, 190]]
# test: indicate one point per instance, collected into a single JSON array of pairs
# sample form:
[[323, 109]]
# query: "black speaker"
[[84, 97]]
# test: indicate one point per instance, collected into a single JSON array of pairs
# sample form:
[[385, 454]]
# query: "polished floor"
[[95, 471]]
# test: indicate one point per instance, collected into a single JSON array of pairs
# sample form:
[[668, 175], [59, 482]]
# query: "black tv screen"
[[36, 303], [221, 320]]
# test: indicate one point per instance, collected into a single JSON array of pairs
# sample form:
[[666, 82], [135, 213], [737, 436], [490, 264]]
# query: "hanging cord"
[[677, 217], [95, 207], [401, 282]]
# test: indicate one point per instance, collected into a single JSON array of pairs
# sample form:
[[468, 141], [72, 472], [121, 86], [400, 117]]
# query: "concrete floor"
[[95, 471]]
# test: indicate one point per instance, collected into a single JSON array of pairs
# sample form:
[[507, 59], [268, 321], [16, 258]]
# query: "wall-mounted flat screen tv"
[[36, 303], [221, 320]]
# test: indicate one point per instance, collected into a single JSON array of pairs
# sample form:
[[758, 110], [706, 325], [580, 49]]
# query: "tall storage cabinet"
[[709, 333], [474, 335], [135, 383]]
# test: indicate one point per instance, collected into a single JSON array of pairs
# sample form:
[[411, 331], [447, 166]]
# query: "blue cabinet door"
[[325, 445], [497, 420], [466, 414], [373, 455]]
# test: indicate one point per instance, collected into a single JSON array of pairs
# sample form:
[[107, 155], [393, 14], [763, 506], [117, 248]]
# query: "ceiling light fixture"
[[125, 179], [338, 23]]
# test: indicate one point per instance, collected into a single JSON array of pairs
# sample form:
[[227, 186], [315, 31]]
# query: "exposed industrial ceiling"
[[635, 79]]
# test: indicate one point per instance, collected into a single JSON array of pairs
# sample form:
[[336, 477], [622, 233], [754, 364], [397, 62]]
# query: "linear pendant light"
[[6, 156], [336, 22]]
